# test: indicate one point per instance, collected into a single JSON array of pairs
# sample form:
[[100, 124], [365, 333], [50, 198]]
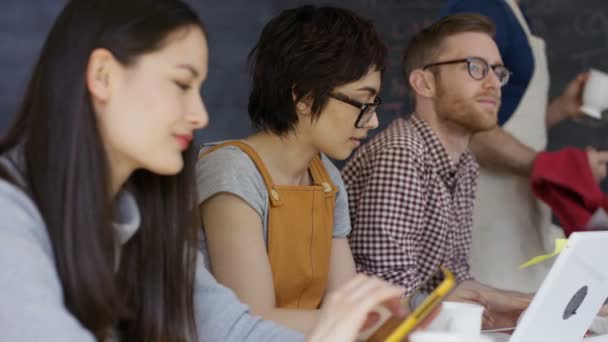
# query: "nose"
[[198, 116], [491, 80], [373, 122]]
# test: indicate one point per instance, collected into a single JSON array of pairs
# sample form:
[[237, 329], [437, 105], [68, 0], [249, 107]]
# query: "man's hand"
[[568, 104], [467, 295], [503, 308]]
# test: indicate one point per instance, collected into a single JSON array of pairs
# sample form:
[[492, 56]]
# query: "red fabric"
[[564, 181]]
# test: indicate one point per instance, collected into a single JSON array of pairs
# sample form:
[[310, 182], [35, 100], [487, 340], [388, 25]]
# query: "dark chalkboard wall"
[[576, 32]]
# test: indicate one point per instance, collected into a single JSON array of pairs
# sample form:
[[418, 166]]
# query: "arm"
[[32, 306], [341, 264], [220, 316], [500, 151], [239, 260], [389, 217]]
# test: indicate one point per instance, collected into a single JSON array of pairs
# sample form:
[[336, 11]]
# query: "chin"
[[339, 155], [485, 121], [168, 168]]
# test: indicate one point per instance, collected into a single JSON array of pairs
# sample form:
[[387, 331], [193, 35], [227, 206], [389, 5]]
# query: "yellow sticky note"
[[559, 246]]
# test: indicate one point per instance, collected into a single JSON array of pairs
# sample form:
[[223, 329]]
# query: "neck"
[[453, 138], [120, 171], [287, 158]]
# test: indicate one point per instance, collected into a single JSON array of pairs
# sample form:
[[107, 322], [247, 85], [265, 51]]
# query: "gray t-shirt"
[[230, 170], [31, 295]]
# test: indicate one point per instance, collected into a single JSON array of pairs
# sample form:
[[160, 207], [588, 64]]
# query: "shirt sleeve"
[[32, 306], [220, 316], [342, 226], [389, 219], [230, 170]]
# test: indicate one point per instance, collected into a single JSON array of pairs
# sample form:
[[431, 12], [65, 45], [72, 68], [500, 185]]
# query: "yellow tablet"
[[430, 302]]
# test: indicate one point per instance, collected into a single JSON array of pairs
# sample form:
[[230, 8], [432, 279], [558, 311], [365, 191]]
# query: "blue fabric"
[[512, 43]]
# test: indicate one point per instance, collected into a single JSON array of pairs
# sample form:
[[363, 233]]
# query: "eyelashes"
[[182, 86]]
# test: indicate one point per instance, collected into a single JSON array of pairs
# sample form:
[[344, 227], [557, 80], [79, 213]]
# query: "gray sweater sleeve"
[[220, 316], [31, 298]]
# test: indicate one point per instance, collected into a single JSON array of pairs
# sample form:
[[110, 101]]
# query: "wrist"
[[555, 112]]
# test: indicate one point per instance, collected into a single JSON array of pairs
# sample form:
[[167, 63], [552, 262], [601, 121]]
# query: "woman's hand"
[[345, 311]]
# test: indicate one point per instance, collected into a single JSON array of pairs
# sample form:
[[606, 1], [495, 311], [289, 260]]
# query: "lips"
[[489, 101], [183, 140], [357, 141]]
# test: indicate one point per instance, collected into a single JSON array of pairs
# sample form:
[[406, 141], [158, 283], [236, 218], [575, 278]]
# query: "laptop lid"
[[571, 294]]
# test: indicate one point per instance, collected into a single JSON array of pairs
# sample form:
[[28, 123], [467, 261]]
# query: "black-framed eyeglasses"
[[478, 68], [367, 110]]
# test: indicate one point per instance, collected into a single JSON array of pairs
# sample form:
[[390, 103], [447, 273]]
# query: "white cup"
[[595, 94], [436, 336], [460, 318]]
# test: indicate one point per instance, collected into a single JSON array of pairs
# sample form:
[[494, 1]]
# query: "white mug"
[[595, 94], [460, 318]]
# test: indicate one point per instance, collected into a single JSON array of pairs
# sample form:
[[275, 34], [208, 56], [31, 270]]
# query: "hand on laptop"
[[464, 294], [503, 308]]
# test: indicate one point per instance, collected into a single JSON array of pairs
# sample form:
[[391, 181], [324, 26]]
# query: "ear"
[[423, 83], [304, 105], [99, 72]]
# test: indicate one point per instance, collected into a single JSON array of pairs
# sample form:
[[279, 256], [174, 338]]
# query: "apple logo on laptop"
[[575, 302]]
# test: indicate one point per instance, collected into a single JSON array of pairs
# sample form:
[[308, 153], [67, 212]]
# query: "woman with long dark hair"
[[98, 237]]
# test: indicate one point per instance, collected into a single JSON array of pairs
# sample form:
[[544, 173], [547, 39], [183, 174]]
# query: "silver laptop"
[[571, 294]]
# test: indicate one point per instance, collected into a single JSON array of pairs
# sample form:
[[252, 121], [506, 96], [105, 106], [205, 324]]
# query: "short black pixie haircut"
[[308, 51]]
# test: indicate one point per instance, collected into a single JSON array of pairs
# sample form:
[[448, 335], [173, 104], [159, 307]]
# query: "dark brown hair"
[[426, 45], [150, 297], [308, 51]]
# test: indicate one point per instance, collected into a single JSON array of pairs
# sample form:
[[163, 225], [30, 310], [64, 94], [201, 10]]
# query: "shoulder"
[[21, 218], [228, 169], [399, 141], [224, 159]]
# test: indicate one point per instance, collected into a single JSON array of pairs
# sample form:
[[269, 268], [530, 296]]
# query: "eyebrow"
[[189, 68], [500, 63], [371, 90]]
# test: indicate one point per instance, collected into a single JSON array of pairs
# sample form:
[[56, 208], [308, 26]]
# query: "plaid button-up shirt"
[[411, 208]]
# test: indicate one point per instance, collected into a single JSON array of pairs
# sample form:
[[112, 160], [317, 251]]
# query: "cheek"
[[141, 118], [333, 125], [333, 132], [151, 96], [456, 98]]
